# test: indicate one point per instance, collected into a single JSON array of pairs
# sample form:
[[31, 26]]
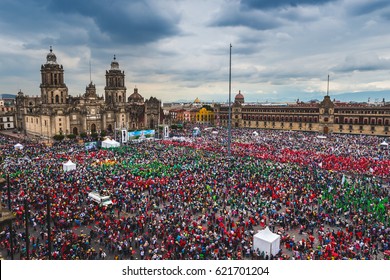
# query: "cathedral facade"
[[55, 111]]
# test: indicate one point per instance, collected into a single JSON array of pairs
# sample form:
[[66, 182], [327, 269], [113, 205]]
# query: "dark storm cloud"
[[119, 21], [132, 22], [358, 9], [267, 4]]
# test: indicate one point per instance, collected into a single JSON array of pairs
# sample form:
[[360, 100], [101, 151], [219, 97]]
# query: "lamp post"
[[11, 235], [27, 234], [48, 225]]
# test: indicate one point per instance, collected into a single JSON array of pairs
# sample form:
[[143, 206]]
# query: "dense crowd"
[[184, 198]]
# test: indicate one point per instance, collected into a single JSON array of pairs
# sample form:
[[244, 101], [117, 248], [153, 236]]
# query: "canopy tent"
[[321, 137], [68, 166], [255, 133], [18, 146], [115, 143], [266, 241], [108, 143], [384, 144]]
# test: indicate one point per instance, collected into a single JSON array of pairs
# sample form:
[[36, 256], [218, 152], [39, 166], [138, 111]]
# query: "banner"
[[124, 136], [166, 132], [90, 145], [140, 134]]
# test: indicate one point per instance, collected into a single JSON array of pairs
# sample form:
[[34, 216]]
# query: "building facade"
[[7, 112], [55, 111], [326, 116]]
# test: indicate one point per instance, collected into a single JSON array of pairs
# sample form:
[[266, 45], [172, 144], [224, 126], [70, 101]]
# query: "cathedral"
[[55, 111]]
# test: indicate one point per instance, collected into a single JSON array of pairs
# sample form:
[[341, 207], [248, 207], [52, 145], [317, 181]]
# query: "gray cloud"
[[267, 4], [358, 8], [132, 22], [362, 63]]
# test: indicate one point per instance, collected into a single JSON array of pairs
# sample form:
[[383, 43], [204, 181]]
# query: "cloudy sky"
[[179, 49]]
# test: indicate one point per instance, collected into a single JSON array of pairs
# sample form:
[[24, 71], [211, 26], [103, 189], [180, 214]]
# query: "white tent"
[[255, 133], [267, 242], [18, 146], [321, 137], [115, 143], [68, 166], [384, 144], [108, 143]]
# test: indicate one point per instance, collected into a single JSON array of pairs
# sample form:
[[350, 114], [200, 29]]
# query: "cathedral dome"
[[135, 96], [51, 57], [239, 97]]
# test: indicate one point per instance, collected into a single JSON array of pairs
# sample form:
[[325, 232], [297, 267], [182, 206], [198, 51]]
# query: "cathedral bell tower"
[[53, 88], [115, 90]]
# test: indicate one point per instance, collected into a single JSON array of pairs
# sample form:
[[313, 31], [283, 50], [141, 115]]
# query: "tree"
[[59, 137]]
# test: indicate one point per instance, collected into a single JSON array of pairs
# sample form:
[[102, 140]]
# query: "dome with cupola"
[[135, 97], [51, 57], [239, 97], [114, 64]]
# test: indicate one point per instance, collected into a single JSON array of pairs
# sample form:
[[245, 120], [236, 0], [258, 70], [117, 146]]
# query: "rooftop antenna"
[[327, 91]]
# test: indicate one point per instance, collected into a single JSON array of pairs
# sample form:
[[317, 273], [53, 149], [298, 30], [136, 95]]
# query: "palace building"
[[55, 111], [324, 117]]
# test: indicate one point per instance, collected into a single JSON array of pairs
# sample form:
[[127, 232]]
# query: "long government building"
[[324, 117]]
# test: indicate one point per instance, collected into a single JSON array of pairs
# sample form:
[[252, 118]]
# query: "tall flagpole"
[[230, 102], [327, 90]]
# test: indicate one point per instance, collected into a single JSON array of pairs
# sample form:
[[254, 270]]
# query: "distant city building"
[[7, 112], [324, 117], [55, 111]]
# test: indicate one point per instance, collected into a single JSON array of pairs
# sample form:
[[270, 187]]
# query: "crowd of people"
[[186, 198]]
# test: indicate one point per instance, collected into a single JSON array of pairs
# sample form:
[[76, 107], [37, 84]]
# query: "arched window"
[[57, 99]]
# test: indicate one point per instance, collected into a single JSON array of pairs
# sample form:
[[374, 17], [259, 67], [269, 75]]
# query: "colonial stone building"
[[55, 111], [325, 117]]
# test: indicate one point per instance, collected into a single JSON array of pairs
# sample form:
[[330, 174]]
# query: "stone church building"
[[55, 111]]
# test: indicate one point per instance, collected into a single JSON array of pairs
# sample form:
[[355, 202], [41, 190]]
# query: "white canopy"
[[384, 144], [68, 166], [18, 146], [267, 242], [255, 133], [115, 143], [321, 137], [108, 143]]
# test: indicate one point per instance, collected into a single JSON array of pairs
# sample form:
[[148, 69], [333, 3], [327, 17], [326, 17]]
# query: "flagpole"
[[230, 97]]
